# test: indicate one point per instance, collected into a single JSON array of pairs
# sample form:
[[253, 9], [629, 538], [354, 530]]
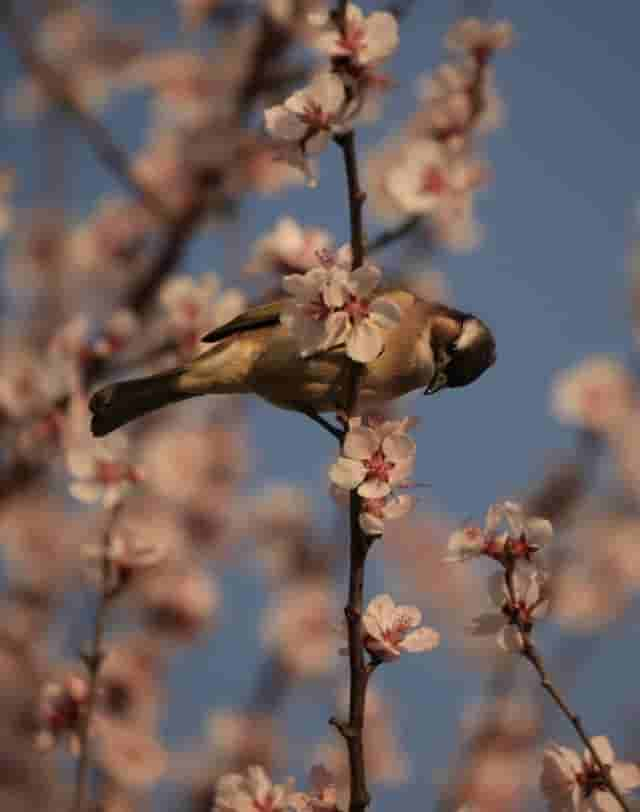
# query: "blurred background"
[[551, 273]]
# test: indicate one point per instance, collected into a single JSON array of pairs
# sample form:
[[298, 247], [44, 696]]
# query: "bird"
[[433, 346]]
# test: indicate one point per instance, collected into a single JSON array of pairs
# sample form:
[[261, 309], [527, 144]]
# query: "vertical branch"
[[359, 671], [93, 660]]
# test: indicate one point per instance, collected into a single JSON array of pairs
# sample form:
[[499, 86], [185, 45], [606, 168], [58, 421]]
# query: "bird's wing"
[[259, 316]]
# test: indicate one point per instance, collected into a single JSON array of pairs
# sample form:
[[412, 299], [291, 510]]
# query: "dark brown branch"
[[359, 672], [93, 660], [106, 149], [531, 653]]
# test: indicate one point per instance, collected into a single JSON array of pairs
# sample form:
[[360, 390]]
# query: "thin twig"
[[93, 660], [531, 653], [106, 149], [391, 235]]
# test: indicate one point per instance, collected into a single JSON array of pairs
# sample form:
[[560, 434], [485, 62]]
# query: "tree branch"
[[93, 660], [105, 148], [531, 653]]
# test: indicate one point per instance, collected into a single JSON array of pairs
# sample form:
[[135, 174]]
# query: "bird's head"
[[463, 348]]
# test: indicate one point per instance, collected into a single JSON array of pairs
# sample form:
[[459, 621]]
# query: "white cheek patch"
[[471, 331]]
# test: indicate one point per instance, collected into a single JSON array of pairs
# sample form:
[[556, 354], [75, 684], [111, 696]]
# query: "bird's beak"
[[438, 382]]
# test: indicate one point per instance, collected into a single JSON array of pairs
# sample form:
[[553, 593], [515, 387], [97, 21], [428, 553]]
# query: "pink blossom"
[[479, 37], [524, 535], [530, 603], [237, 792], [596, 394], [387, 629], [572, 784], [375, 512], [289, 247], [310, 115], [374, 460], [62, 707], [101, 471], [323, 796], [333, 305], [366, 41]]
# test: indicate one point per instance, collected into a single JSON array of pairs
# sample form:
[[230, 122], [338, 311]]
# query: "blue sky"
[[549, 278]]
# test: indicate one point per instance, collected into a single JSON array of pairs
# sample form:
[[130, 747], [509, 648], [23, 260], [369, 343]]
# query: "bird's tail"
[[118, 403]]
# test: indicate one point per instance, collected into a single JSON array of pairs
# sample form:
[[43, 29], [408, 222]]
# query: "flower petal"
[[364, 343], [347, 473], [423, 639], [374, 489], [371, 525], [398, 447], [361, 443], [282, 123]]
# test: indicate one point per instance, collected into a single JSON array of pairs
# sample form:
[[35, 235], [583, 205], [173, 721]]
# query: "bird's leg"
[[326, 425]]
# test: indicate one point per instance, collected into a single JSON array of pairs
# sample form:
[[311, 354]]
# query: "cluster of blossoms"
[[326, 107], [238, 792], [574, 784], [332, 304], [194, 306], [432, 172], [521, 590], [377, 458], [521, 593]]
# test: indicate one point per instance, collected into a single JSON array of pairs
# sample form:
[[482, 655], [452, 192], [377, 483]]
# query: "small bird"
[[433, 346]]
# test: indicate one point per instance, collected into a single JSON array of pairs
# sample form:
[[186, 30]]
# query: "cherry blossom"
[[375, 512], [531, 595], [333, 305], [237, 792], [310, 115], [573, 784], [386, 629], [429, 175], [524, 535], [299, 626], [479, 37], [118, 332], [101, 471], [374, 459], [195, 306], [62, 707], [323, 796], [288, 248], [29, 384], [597, 394], [129, 754], [366, 41]]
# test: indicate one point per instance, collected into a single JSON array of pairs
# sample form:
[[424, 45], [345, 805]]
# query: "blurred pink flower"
[[289, 248], [573, 784], [299, 626], [129, 754], [597, 394], [323, 796], [62, 707], [251, 792], [387, 628], [479, 37], [101, 471]]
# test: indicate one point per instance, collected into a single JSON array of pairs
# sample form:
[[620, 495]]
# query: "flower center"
[[433, 181], [357, 309], [378, 467]]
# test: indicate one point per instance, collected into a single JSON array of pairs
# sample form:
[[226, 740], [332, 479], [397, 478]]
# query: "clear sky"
[[549, 278]]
